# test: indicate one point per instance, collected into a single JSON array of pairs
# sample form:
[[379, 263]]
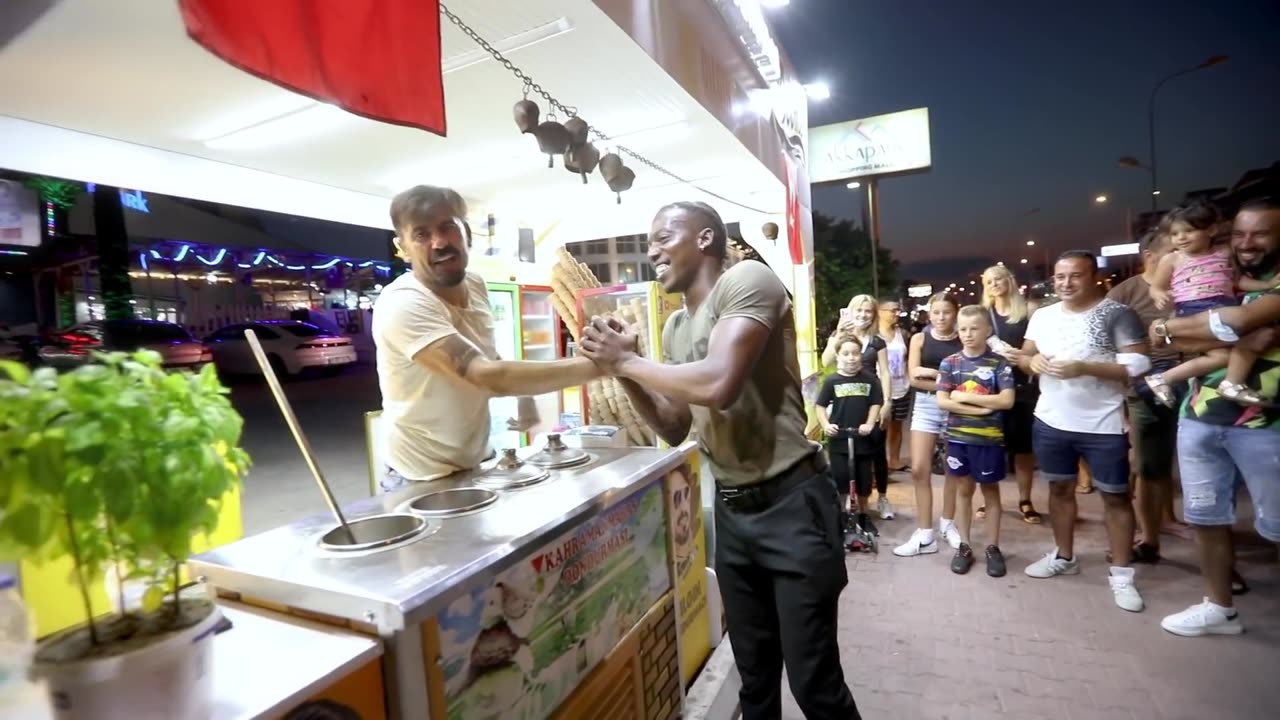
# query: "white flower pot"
[[171, 679]]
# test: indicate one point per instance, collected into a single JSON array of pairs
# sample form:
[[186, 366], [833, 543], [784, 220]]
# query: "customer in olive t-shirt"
[[731, 372], [1153, 428]]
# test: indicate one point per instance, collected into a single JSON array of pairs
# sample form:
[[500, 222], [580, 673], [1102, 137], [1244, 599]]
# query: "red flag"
[[376, 58]]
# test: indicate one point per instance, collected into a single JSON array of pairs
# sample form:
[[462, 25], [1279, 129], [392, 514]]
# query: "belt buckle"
[[744, 500]]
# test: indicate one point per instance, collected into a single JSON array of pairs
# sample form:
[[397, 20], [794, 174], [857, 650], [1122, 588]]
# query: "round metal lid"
[[452, 503], [373, 532], [512, 472], [558, 455]]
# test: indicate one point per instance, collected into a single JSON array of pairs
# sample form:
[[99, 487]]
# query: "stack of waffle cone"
[[607, 401]]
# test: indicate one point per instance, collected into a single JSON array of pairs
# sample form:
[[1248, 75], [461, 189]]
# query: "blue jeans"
[[1214, 459], [1059, 453]]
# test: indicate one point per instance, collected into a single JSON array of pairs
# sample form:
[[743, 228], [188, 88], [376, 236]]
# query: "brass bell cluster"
[[570, 140]]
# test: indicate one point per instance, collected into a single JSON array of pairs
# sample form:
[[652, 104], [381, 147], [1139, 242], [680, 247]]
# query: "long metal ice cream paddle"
[[292, 421]]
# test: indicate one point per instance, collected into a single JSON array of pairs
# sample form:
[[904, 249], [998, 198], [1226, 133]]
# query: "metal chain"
[[570, 111]]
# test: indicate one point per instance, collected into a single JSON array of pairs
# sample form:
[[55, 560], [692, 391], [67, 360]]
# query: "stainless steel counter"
[[402, 586]]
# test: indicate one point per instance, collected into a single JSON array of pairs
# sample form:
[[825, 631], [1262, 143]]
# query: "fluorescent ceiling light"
[[316, 119], [276, 104], [509, 44], [817, 90]]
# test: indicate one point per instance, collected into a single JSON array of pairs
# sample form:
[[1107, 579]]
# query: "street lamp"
[[1023, 261], [1129, 161], [1100, 199], [1031, 243], [817, 90]]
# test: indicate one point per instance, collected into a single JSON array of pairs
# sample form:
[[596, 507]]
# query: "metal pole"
[[873, 210]]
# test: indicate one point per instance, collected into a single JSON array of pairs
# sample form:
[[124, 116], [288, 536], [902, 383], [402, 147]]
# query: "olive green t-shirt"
[[762, 433]]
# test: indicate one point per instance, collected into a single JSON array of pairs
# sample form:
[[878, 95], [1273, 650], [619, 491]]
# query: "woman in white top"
[[899, 385], [859, 320]]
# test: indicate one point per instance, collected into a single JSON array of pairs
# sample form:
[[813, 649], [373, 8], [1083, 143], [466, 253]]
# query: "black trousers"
[[781, 572]]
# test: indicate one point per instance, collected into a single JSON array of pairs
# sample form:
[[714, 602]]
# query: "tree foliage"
[[842, 266]]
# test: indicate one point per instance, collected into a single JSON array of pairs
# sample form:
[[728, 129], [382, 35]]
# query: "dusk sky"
[[1031, 104]]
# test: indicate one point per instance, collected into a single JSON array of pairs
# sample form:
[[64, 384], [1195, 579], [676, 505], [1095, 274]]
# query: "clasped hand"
[[608, 342]]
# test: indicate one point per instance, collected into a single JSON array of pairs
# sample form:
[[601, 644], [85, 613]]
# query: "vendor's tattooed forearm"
[[461, 353]]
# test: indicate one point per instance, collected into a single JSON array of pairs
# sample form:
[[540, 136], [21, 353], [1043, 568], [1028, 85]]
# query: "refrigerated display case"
[[504, 303], [541, 339]]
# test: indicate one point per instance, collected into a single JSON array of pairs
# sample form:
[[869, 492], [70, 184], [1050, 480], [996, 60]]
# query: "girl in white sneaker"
[[926, 353]]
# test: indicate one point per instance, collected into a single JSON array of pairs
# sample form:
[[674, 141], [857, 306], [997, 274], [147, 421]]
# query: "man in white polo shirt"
[[1085, 349], [437, 366]]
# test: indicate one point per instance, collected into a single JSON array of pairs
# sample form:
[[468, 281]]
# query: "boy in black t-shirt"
[[847, 404]]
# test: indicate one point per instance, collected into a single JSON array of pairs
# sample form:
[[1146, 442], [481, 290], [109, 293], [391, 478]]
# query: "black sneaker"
[[963, 560], [995, 562], [864, 520]]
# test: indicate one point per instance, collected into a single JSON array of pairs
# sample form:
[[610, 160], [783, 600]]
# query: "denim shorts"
[[1195, 307], [926, 416], [1214, 458], [984, 463], [1059, 453]]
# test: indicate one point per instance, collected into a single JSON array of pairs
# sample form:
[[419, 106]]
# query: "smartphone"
[[844, 313]]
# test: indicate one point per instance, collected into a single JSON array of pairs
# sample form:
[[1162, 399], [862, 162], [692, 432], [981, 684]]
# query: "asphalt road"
[[280, 488]]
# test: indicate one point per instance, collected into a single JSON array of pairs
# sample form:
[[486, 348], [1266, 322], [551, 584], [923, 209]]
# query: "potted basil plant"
[[119, 464]]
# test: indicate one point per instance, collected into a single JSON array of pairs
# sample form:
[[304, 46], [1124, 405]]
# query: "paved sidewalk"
[[920, 643]]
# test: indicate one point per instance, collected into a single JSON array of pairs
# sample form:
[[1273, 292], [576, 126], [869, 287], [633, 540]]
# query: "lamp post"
[[1129, 161]]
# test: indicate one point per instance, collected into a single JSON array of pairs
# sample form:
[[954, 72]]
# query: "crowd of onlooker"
[[1174, 372]]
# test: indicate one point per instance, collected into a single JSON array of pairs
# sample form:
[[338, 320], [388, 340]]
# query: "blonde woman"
[[1010, 313], [860, 321], [925, 353]]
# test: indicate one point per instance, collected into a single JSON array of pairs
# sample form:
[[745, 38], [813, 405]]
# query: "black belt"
[[761, 496]]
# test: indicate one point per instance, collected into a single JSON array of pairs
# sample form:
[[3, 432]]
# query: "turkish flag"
[[376, 58]]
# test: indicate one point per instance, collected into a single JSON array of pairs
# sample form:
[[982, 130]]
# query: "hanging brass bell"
[[625, 178], [610, 166], [526, 115], [578, 131], [553, 140], [582, 160]]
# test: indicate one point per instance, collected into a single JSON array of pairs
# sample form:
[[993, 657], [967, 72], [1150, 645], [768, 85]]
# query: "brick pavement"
[[920, 643]]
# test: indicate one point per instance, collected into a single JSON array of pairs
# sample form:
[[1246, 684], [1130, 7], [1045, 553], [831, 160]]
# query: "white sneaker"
[[1203, 619], [949, 531], [1051, 565], [1125, 591], [885, 508], [922, 542]]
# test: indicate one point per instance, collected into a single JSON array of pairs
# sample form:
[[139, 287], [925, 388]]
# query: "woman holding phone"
[[860, 320], [925, 353]]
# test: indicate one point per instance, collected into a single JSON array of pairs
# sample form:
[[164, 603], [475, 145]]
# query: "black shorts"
[[900, 407], [1018, 421], [860, 474]]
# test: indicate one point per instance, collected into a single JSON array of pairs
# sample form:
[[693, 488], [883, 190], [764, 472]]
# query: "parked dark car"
[[73, 346]]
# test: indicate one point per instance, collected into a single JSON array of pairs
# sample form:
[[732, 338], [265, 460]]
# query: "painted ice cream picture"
[[514, 648]]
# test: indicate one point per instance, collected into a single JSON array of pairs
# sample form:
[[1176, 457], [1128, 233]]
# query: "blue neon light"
[[222, 253], [182, 252], [142, 258], [327, 265], [132, 199]]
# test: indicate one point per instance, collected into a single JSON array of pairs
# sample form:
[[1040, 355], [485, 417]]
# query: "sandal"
[[1084, 489], [1242, 394], [1029, 514], [1162, 391]]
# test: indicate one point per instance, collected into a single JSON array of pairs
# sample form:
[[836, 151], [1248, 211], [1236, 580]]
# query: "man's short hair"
[[1079, 255], [708, 218], [1262, 204], [1149, 239], [421, 198]]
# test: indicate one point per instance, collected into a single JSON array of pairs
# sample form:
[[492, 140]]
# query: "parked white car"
[[291, 347]]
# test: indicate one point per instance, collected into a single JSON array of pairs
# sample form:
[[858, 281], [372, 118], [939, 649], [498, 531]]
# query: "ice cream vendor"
[[437, 366]]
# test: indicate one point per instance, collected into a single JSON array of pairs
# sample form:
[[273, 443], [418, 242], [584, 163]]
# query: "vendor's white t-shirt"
[[437, 425], [1083, 404]]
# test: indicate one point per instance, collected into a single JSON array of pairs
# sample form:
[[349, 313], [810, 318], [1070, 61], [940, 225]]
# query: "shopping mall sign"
[[878, 145]]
